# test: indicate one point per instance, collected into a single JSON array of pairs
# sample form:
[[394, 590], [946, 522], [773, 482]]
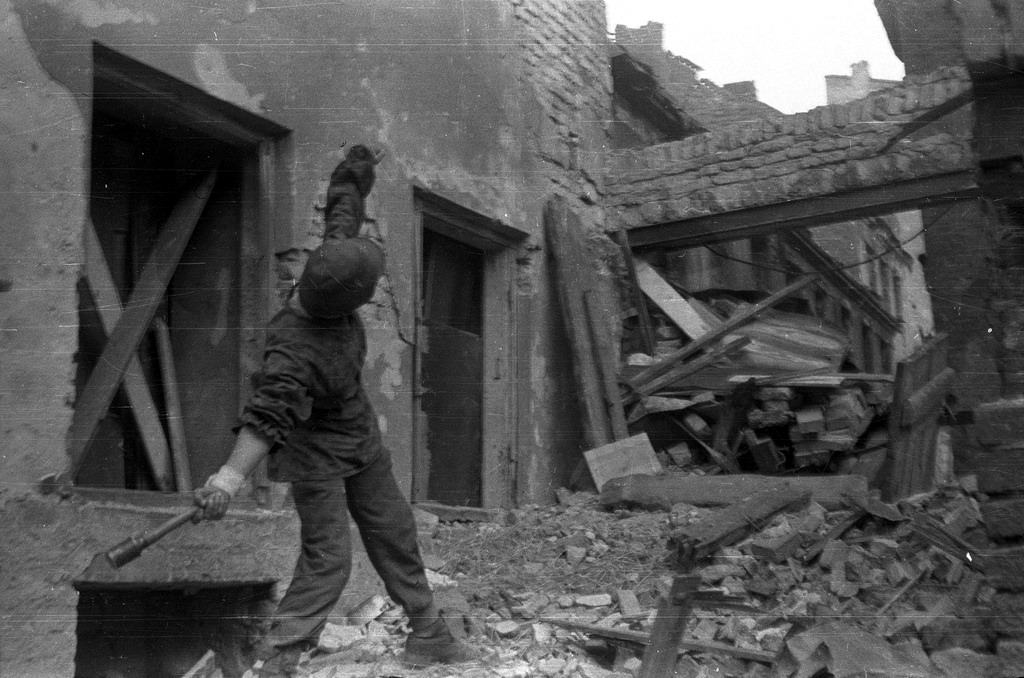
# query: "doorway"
[[152, 139], [452, 366], [464, 436]]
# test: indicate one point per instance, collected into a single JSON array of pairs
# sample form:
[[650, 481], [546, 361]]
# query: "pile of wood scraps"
[[758, 389]]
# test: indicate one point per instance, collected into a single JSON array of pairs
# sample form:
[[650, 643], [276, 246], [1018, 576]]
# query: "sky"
[[786, 47]]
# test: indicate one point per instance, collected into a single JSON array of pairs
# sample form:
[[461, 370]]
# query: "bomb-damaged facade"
[[119, 112]]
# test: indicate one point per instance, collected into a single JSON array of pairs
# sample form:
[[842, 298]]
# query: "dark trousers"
[[388, 531]]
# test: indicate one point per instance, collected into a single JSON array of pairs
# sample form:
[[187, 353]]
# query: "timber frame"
[[498, 242], [160, 98]]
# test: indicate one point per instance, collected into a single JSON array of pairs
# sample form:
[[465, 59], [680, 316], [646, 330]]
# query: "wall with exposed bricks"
[[827, 150], [566, 78], [505, 108]]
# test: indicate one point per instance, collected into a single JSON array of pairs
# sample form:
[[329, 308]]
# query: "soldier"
[[310, 414]]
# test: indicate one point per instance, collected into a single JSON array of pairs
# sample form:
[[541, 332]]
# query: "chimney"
[[860, 77]]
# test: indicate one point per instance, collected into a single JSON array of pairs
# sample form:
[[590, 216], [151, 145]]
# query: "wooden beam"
[[95, 398], [136, 388], [667, 363], [606, 358], [828, 268], [807, 212], [673, 613], [643, 317], [175, 425], [671, 303], [661, 492], [631, 637], [694, 543], [568, 257], [684, 369], [928, 400]]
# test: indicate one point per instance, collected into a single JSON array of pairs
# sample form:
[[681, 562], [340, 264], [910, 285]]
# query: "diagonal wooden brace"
[[140, 398], [135, 320]]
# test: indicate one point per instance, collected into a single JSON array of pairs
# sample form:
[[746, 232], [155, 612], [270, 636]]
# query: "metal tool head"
[[125, 552]]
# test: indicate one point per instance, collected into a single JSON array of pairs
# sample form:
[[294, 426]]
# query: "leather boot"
[[434, 644], [276, 662]]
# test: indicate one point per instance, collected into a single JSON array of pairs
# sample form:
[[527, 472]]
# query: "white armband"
[[227, 479]]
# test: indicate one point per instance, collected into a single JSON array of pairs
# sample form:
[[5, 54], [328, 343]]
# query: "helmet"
[[340, 276]]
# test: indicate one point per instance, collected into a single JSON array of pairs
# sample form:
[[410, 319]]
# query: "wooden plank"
[[1003, 518], [660, 656], [999, 470], [206, 667], [662, 492], [640, 638], [472, 514], [694, 543], [643, 317], [622, 458], [99, 390], [910, 462], [175, 425], [668, 362], [928, 400], [777, 549], [835, 533], [606, 360], [568, 257], [849, 288], [136, 388], [766, 457], [683, 370], [671, 303]]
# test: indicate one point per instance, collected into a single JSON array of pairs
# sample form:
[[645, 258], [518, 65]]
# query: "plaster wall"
[[494, 105], [465, 114]]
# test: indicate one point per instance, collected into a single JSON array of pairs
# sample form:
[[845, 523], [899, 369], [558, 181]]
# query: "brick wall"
[[565, 55], [826, 150]]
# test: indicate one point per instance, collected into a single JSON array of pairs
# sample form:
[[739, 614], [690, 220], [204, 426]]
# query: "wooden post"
[[175, 425], [606, 359], [660, 656], [643, 317], [573, 277]]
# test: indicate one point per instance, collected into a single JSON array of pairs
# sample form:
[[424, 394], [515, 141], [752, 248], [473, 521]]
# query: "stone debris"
[[811, 592]]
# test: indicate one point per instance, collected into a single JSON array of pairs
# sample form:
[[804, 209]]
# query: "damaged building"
[[550, 193]]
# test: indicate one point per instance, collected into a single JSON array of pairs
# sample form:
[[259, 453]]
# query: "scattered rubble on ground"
[[571, 591]]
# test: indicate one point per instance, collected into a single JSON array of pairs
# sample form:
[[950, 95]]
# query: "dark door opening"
[[451, 370], [139, 172], [162, 633]]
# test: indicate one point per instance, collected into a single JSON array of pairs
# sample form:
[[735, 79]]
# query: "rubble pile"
[[572, 591], [760, 403]]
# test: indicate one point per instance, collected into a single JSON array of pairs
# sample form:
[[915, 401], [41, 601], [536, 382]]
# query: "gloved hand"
[[356, 168], [214, 502], [215, 496]]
